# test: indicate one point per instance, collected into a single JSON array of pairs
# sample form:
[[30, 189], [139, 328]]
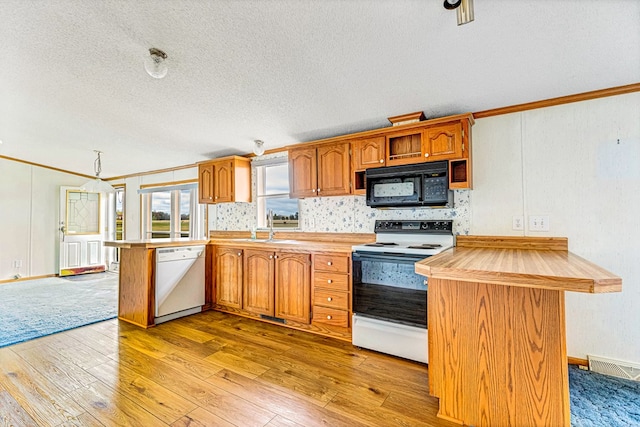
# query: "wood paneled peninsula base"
[[496, 318]]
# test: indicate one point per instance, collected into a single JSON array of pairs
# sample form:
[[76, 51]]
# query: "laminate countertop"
[[154, 243], [503, 261]]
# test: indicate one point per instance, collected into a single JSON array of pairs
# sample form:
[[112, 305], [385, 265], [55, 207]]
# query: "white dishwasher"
[[179, 282]]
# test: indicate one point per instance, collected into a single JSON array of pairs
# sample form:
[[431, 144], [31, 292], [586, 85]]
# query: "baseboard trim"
[[577, 361], [2, 282]]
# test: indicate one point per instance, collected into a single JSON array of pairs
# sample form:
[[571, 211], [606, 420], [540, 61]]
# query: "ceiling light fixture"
[[97, 185], [464, 9], [154, 64], [258, 147]]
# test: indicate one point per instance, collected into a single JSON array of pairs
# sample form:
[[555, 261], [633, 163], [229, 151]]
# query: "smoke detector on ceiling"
[[155, 64]]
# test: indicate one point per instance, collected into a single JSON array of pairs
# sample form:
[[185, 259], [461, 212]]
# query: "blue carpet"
[[34, 308], [601, 400]]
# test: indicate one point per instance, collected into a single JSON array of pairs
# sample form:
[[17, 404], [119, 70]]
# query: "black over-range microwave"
[[423, 184]]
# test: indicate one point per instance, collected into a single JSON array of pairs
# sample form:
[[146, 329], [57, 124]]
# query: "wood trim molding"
[[601, 93], [577, 361], [166, 184], [46, 167], [2, 282], [153, 172]]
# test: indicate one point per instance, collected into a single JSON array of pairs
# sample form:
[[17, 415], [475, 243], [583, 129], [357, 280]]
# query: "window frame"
[[196, 210], [261, 198]]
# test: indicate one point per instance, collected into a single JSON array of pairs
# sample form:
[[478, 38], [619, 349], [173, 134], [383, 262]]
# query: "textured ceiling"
[[72, 78]]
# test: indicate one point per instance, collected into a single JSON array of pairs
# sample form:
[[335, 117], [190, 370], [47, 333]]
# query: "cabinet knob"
[[329, 263], [329, 299], [329, 281], [270, 256], [275, 256], [426, 154], [318, 190], [239, 253], [381, 160], [313, 191], [329, 317]]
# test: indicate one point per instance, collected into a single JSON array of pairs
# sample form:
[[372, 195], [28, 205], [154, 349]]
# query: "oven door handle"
[[387, 257]]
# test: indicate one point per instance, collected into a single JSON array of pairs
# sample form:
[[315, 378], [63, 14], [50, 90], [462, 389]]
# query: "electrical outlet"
[[17, 263], [539, 223], [518, 222]]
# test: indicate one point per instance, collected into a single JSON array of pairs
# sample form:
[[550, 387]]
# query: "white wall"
[[29, 200], [566, 162]]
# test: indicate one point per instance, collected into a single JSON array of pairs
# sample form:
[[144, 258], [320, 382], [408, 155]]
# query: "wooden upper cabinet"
[[205, 183], [334, 173], [293, 286], [303, 172], [404, 147], [320, 170], [369, 153], [259, 282], [229, 277], [443, 142], [225, 180]]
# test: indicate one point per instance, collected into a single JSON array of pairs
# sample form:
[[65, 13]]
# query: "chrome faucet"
[[270, 220]]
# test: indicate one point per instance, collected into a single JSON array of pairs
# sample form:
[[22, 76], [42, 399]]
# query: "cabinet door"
[[334, 171], [303, 173], [259, 282], [442, 142], [223, 182], [229, 277], [369, 153], [293, 286], [205, 183]]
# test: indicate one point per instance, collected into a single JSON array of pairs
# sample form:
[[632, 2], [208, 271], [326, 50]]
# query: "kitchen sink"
[[267, 241]]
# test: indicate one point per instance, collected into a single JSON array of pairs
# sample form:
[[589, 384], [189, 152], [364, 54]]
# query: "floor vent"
[[616, 368]]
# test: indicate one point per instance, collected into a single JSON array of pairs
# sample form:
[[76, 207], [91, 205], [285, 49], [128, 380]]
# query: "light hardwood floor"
[[209, 369]]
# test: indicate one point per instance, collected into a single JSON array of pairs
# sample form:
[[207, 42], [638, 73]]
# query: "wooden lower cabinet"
[[332, 291], [229, 276], [259, 282], [299, 290], [293, 286]]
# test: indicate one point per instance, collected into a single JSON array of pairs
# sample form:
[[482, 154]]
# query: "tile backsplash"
[[340, 214]]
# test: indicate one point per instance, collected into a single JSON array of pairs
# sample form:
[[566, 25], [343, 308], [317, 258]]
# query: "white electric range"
[[389, 298]]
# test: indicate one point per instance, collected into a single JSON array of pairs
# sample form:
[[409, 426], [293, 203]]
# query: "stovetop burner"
[[378, 244]]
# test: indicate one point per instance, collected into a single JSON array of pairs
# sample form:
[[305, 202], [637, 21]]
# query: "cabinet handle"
[[329, 317], [329, 281], [426, 154], [329, 263], [329, 299]]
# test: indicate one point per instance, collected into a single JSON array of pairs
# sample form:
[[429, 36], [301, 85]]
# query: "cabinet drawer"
[[335, 263], [335, 299], [335, 281], [331, 316]]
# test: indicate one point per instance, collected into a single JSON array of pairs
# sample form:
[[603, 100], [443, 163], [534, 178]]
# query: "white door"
[[81, 232]]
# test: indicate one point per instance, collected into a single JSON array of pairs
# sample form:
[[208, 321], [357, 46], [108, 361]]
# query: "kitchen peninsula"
[[136, 303], [497, 347]]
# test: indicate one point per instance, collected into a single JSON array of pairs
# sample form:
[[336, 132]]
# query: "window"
[[273, 194], [172, 212], [119, 213]]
